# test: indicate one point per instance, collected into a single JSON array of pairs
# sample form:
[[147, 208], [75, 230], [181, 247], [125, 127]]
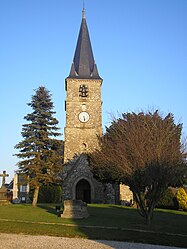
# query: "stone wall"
[[77, 170], [126, 194], [82, 137]]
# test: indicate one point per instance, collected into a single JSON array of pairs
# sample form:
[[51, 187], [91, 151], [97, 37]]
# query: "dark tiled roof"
[[83, 65]]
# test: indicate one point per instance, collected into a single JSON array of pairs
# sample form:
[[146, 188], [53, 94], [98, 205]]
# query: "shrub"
[[182, 198], [48, 194], [168, 200]]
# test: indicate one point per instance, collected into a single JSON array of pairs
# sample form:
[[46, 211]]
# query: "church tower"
[[83, 107], [83, 99]]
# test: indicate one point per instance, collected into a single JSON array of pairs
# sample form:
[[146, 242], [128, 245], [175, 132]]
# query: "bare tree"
[[143, 151]]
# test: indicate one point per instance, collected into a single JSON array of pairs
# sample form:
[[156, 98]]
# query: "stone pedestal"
[[3, 195], [75, 209]]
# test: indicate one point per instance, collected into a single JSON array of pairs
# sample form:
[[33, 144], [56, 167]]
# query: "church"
[[83, 106]]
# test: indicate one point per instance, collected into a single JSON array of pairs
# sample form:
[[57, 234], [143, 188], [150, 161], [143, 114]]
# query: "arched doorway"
[[83, 191]]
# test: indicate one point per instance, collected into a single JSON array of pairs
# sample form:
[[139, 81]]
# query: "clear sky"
[[140, 47]]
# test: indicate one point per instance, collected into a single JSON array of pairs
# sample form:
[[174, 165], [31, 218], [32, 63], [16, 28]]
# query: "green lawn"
[[105, 222]]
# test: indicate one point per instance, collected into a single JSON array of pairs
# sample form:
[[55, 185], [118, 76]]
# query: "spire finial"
[[83, 11]]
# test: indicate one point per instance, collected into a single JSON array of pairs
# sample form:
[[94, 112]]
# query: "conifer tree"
[[40, 152]]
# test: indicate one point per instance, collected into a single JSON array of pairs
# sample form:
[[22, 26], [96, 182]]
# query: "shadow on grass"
[[118, 223], [125, 224], [52, 209]]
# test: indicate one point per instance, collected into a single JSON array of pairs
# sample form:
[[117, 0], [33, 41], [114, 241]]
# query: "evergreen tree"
[[40, 152]]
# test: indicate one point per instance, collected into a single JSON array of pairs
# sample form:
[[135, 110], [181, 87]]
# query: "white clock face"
[[84, 117]]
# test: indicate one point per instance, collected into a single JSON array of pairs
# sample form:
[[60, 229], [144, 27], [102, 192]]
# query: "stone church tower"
[[83, 99], [83, 107]]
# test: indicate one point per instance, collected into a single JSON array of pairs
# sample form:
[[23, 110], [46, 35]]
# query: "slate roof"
[[83, 65]]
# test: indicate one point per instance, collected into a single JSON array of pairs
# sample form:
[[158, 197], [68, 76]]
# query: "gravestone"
[[75, 209], [3, 189]]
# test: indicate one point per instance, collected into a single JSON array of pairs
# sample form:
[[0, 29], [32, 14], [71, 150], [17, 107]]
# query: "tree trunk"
[[149, 216], [148, 219], [35, 197]]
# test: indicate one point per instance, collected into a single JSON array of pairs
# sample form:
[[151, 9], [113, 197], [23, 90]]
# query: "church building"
[[83, 108]]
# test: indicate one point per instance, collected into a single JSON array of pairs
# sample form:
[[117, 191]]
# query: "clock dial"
[[84, 117]]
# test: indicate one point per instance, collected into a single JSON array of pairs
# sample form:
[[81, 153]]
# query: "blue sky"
[[140, 47]]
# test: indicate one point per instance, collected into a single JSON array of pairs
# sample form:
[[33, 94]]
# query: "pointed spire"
[[83, 65], [83, 12]]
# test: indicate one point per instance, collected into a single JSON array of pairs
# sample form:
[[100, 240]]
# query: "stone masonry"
[[82, 137], [77, 170], [83, 107]]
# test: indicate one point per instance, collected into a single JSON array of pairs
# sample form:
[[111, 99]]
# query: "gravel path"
[[19, 241]]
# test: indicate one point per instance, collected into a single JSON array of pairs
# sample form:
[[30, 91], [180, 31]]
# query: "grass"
[[105, 222]]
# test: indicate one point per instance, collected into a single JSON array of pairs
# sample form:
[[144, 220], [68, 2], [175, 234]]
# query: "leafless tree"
[[145, 152]]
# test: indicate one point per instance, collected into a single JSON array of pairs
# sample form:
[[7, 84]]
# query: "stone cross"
[[3, 176]]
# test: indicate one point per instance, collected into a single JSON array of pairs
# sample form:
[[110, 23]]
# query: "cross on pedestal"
[[4, 175]]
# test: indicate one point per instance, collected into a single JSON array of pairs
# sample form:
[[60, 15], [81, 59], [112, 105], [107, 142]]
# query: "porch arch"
[[83, 189]]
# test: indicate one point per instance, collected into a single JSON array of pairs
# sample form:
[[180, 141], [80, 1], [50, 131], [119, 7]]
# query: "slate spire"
[[83, 66]]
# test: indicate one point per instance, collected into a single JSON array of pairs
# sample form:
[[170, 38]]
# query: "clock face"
[[84, 117]]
